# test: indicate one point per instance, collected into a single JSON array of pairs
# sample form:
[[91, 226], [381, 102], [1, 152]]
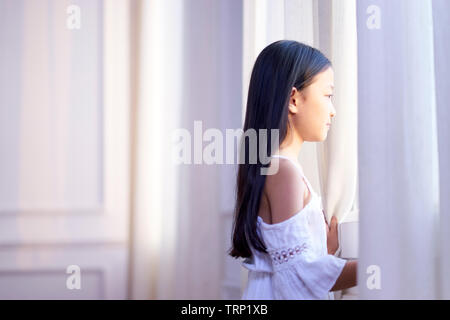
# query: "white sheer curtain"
[[188, 68], [403, 148], [330, 26]]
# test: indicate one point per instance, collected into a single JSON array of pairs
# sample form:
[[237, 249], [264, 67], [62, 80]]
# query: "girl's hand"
[[332, 236]]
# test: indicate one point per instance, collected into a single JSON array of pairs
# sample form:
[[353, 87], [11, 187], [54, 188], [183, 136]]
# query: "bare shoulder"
[[284, 190]]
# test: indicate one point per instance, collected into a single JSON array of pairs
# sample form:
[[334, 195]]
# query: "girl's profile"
[[279, 226]]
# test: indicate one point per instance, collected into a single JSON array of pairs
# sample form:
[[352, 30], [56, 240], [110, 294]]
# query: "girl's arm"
[[347, 278]]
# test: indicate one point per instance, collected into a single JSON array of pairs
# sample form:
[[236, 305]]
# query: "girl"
[[279, 225]]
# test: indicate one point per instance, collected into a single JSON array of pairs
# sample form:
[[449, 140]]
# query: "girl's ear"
[[295, 100], [293, 108]]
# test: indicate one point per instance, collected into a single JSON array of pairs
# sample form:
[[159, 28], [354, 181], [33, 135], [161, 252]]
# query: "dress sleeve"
[[307, 278]]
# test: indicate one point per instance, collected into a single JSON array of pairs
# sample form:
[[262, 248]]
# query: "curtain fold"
[[441, 22], [157, 109]]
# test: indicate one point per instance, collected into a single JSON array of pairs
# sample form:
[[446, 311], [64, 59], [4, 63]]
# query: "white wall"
[[64, 164]]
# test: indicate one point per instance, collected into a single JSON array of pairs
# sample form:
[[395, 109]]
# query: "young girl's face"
[[311, 109]]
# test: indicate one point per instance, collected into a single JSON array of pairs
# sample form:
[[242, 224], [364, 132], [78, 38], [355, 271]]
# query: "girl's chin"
[[318, 139]]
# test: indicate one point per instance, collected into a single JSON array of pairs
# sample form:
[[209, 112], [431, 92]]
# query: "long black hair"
[[279, 67]]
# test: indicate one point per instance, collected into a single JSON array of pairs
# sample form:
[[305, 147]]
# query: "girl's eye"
[[330, 95]]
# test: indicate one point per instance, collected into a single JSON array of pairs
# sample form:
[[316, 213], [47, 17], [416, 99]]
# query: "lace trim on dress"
[[282, 256]]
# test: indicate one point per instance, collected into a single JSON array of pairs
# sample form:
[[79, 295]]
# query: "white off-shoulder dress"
[[297, 265]]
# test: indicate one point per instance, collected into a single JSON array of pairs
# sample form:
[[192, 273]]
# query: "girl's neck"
[[290, 149]]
